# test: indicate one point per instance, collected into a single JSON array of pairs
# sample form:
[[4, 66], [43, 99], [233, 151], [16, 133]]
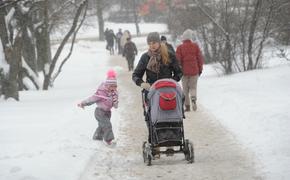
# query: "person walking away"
[[111, 38], [106, 38], [118, 39], [130, 50], [106, 97], [124, 37], [157, 63], [169, 46], [191, 60]]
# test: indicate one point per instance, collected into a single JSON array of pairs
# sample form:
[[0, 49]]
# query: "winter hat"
[[111, 77], [163, 38], [153, 37], [187, 35]]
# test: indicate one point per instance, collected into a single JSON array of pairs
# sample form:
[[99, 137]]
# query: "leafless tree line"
[[26, 26], [234, 33], [25, 31]]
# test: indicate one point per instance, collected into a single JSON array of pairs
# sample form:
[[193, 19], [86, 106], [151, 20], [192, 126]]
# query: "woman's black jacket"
[[172, 70]]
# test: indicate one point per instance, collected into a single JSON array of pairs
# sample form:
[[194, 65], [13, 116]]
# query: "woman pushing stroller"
[[157, 63]]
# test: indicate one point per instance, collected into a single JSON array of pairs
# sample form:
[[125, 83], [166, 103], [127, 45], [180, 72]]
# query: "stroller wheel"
[[189, 151], [147, 153]]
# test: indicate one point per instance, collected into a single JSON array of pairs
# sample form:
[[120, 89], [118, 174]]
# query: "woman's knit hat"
[[111, 77], [153, 37], [187, 34]]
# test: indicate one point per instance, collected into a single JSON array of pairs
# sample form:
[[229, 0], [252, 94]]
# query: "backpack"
[[167, 100]]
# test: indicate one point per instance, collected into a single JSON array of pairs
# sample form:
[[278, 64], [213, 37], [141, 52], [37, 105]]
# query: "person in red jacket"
[[191, 60]]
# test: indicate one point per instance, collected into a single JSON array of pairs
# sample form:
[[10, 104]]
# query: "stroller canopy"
[[165, 101]]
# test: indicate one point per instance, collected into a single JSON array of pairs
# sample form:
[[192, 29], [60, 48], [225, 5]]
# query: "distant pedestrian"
[[118, 39], [111, 39], [130, 51], [106, 37], [105, 97], [169, 46], [191, 60], [124, 37]]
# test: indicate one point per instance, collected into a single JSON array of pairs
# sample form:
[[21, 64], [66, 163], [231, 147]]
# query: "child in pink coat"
[[106, 97]]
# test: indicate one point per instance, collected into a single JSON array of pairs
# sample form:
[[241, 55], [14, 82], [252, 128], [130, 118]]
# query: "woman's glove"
[[145, 86]]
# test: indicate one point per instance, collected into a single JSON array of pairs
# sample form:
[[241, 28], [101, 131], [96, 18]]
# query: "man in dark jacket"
[[191, 60], [106, 37], [169, 46], [129, 51], [110, 39]]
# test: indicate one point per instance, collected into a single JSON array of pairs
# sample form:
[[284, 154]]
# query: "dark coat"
[[130, 50], [110, 38], [170, 47], [172, 70]]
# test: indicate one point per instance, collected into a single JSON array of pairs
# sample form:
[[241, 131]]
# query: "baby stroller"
[[163, 110]]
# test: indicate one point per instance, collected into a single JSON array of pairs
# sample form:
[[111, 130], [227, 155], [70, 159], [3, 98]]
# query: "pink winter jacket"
[[104, 98]]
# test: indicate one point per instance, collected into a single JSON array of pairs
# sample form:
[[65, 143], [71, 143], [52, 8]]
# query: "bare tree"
[[281, 29], [100, 7], [12, 52], [30, 22], [136, 18], [42, 37], [71, 48], [226, 60], [48, 75], [232, 33]]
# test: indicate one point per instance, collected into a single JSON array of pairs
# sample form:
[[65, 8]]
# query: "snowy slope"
[[255, 107]]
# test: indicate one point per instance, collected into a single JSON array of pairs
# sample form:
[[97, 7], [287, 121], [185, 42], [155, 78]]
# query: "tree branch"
[[71, 48], [47, 79], [211, 18]]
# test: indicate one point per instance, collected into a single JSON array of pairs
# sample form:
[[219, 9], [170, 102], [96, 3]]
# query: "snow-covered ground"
[[45, 136], [255, 107]]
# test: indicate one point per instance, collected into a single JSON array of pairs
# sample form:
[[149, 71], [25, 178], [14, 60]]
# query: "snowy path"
[[217, 153]]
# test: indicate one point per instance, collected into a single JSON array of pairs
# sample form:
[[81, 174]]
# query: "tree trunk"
[[100, 19], [42, 38], [253, 26], [12, 88], [207, 55], [29, 50], [136, 18], [3, 30], [47, 75], [6, 85], [265, 34], [228, 57]]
